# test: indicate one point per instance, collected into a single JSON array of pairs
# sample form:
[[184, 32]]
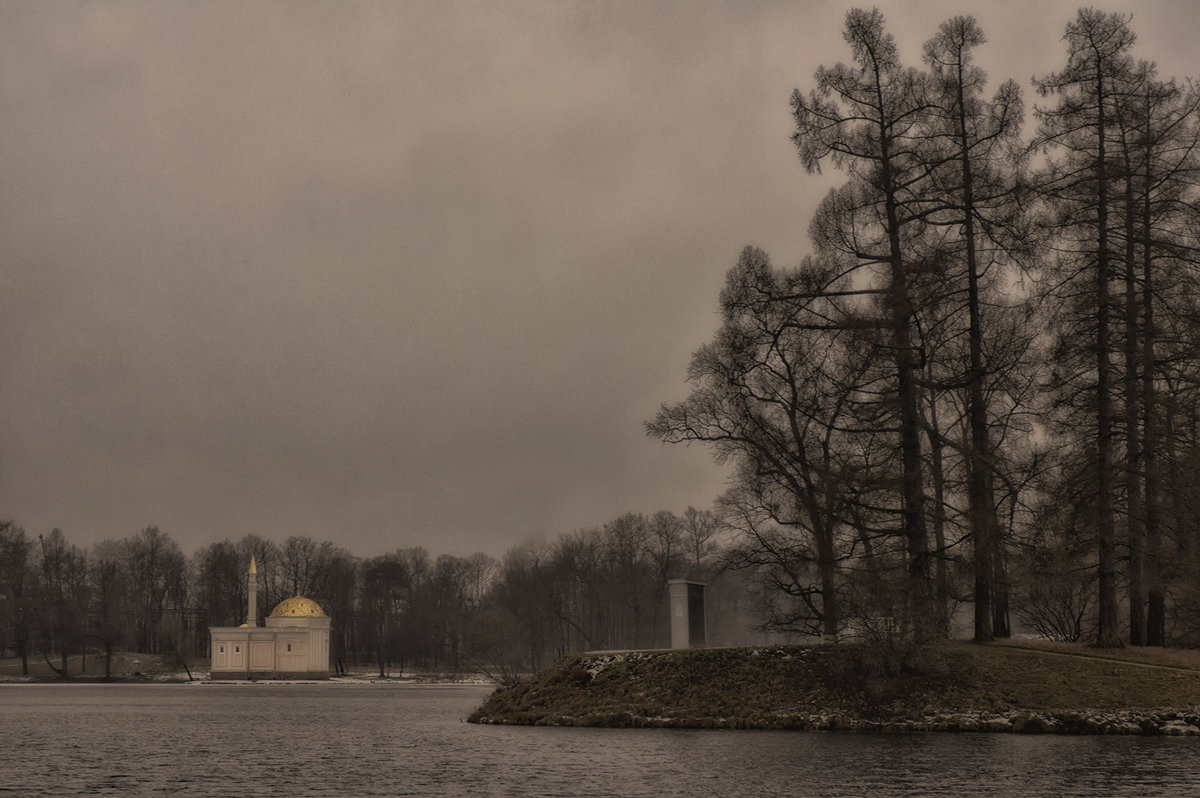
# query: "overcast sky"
[[400, 273]]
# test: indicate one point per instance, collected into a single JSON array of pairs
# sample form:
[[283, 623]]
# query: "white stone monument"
[[688, 628]]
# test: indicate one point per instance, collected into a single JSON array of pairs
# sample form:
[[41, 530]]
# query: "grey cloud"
[[394, 273]]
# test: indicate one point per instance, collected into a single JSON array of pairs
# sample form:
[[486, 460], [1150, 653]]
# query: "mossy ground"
[[842, 686], [1060, 676]]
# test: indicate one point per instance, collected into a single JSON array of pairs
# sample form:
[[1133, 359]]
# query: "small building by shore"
[[293, 643]]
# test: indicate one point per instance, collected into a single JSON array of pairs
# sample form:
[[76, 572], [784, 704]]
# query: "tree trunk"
[[1156, 609], [874, 580], [912, 495], [1133, 454], [979, 486], [827, 567], [1000, 588], [941, 576], [59, 672], [1107, 631]]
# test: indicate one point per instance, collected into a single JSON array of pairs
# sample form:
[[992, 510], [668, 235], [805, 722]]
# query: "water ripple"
[[328, 741]]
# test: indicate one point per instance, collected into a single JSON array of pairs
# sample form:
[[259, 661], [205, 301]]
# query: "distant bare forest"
[[598, 588]]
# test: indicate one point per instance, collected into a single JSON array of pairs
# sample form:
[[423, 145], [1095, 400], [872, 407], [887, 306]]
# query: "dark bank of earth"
[[955, 687]]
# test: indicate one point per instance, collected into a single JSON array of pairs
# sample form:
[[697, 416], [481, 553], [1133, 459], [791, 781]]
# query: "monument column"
[[688, 627]]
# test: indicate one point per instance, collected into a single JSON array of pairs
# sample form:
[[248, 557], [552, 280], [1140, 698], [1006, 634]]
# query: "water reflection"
[[369, 740]]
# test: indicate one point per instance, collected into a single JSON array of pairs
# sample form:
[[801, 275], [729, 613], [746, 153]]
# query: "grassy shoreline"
[[1006, 687], [134, 668]]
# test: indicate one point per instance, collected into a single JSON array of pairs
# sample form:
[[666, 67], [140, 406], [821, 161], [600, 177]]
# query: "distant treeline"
[[596, 588]]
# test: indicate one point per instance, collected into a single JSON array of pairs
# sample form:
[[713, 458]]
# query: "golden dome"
[[297, 607]]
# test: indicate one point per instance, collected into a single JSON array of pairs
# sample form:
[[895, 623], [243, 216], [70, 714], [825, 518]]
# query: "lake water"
[[369, 740]]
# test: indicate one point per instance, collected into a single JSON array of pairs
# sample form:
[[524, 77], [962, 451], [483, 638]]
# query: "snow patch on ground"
[[597, 664]]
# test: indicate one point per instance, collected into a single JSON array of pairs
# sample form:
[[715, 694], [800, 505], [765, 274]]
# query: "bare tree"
[[978, 186], [1081, 186], [62, 598], [700, 539], [867, 119], [111, 596], [158, 571], [17, 586]]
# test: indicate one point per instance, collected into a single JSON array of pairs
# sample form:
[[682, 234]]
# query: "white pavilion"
[[294, 643]]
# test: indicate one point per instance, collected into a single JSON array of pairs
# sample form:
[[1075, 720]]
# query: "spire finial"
[[253, 570]]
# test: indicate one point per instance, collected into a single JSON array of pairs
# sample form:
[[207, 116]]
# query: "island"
[[1007, 686]]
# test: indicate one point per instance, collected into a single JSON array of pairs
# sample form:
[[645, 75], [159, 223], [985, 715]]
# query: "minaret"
[[252, 613]]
